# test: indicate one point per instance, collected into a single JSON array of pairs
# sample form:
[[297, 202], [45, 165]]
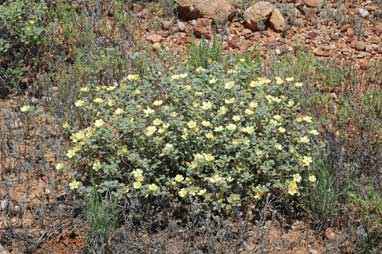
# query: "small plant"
[[205, 53], [101, 220], [322, 197]]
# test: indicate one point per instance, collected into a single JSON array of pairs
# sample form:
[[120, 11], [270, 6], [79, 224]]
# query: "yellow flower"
[[248, 112], [137, 185], [79, 103], [111, 103], [182, 193], [97, 166], [188, 87], [313, 132], [229, 85], [281, 130], [65, 126], [277, 118], [231, 127], [153, 187], [150, 131], [307, 119], [248, 130], [191, 124], [98, 100], [235, 142], [195, 104], [209, 157], [306, 161], [157, 122], [236, 118], [297, 178], [59, 166], [74, 185], [290, 103], [198, 94], [233, 198], [32, 22], [230, 101], [298, 84], [278, 147], [222, 110], [125, 150], [25, 109], [99, 123], [304, 140], [133, 77], [312, 178], [253, 104], [202, 192], [71, 153], [219, 129], [210, 135], [212, 81], [279, 81], [254, 84], [206, 123], [148, 111], [290, 79], [292, 188], [157, 103], [259, 152], [118, 111], [206, 105], [179, 178]]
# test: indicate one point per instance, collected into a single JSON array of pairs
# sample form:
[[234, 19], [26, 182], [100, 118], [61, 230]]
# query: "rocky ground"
[[350, 32]]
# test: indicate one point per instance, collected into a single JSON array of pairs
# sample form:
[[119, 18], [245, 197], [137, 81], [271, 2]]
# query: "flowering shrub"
[[222, 137]]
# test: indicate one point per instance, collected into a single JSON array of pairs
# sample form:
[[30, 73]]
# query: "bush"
[[21, 35], [220, 136]]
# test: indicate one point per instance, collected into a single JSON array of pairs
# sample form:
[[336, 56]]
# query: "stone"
[[257, 15], [202, 28], [277, 21], [217, 10], [330, 234], [320, 52], [313, 3], [181, 26], [358, 45], [154, 38], [313, 251], [363, 12], [166, 25]]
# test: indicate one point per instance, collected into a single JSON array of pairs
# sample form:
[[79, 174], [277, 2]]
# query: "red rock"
[[202, 28], [313, 3], [257, 15], [218, 10], [320, 52], [358, 45], [277, 21]]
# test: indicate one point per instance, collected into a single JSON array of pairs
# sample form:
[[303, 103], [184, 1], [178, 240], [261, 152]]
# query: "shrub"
[[220, 136], [21, 35]]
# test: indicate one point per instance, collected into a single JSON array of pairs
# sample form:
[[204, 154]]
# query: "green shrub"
[[322, 196], [202, 54], [221, 136], [367, 214], [22, 33]]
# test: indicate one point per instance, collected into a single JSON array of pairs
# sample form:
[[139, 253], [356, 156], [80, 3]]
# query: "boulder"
[[277, 21], [257, 15], [217, 10], [202, 28]]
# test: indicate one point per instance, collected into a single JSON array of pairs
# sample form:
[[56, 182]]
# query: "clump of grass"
[[205, 53], [101, 220]]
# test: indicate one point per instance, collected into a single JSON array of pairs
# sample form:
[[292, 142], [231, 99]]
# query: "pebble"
[[363, 12]]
